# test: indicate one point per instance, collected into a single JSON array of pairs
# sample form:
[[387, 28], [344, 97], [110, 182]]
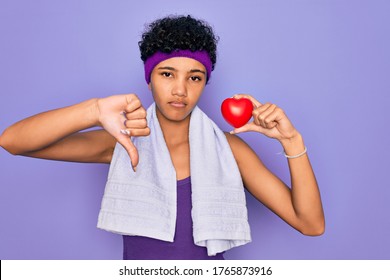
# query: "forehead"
[[181, 64]]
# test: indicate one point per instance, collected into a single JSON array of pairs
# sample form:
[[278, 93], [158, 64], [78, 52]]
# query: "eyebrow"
[[167, 68], [197, 70], [174, 69]]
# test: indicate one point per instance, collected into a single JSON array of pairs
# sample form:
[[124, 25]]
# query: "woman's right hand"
[[123, 116]]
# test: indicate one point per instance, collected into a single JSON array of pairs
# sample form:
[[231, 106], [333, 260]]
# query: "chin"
[[177, 117]]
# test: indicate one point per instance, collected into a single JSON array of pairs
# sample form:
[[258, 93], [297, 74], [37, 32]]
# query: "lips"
[[178, 104]]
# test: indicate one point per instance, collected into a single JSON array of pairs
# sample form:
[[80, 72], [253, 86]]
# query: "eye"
[[166, 74], [196, 78]]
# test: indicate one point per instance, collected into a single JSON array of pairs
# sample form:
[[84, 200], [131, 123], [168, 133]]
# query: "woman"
[[179, 54]]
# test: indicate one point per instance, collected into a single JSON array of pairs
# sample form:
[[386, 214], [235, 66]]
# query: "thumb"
[[132, 151], [244, 128], [249, 127]]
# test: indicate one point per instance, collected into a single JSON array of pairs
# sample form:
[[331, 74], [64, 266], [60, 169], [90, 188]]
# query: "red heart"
[[237, 112]]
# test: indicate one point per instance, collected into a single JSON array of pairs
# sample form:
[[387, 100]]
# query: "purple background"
[[326, 63]]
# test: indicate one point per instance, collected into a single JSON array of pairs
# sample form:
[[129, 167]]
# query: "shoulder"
[[239, 147], [233, 140], [253, 172]]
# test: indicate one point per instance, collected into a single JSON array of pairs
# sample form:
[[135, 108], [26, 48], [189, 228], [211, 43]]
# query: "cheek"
[[197, 92], [160, 93]]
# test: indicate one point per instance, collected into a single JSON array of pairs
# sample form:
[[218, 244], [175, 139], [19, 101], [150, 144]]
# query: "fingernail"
[[231, 132], [125, 132], [135, 168]]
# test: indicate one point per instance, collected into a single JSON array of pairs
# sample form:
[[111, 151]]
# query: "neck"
[[175, 132]]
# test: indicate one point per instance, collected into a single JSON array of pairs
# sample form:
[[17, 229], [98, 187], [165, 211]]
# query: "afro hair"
[[178, 33]]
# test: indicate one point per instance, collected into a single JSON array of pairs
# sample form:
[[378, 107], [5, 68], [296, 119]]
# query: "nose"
[[179, 88]]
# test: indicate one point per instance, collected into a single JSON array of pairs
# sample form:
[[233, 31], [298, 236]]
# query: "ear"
[[150, 86]]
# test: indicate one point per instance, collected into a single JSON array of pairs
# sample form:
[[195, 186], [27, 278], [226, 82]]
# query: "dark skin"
[[176, 89]]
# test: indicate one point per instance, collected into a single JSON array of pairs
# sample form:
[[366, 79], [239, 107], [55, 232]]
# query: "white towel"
[[144, 202]]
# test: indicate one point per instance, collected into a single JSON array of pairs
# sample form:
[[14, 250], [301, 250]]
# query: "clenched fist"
[[123, 116]]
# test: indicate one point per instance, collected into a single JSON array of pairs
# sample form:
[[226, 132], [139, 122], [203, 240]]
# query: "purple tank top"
[[183, 247]]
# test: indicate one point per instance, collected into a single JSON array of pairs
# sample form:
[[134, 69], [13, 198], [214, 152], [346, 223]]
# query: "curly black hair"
[[178, 33]]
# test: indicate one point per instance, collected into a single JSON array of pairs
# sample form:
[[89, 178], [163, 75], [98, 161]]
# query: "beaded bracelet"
[[296, 156]]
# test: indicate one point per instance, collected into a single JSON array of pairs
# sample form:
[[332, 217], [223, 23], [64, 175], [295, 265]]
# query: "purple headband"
[[201, 56]]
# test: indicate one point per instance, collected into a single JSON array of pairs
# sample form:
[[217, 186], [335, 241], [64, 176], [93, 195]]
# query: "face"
[[177, 84]]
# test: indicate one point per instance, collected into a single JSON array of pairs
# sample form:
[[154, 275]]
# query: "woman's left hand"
[[269, 120]]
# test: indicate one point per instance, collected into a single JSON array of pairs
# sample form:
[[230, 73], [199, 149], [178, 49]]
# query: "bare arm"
[[95, 146], [299, 206], [305, 193], [55, 134], [42, 130]]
